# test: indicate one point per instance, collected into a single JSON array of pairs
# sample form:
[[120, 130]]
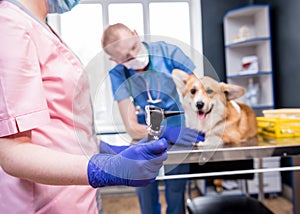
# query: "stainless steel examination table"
[[257, 148]]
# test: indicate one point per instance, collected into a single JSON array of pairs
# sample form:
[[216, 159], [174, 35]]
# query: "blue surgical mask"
[[61, 6]]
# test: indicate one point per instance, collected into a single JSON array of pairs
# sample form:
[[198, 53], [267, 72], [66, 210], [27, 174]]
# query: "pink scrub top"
[[43, 88]]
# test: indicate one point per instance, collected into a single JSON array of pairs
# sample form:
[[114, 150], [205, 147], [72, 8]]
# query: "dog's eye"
[[209, 91], [193, 91]]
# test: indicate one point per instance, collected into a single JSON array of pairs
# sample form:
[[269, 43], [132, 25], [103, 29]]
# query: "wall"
[[213, 12], [285, 22], [286, 50]]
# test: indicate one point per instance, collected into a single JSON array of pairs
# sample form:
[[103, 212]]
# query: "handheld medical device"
[[154, 117]]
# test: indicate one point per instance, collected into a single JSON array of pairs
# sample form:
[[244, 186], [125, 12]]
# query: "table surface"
[[259, 147]]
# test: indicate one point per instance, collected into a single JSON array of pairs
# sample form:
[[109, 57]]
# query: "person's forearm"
[[137, 131], [42, 165], [129, 117]]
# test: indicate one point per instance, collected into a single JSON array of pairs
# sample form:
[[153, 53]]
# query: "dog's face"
[[204, 96]]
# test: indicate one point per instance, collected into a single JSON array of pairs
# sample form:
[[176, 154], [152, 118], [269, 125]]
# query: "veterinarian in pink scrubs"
[[48, 150]]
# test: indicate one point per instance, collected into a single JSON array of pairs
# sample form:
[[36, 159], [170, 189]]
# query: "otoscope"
[[154, 117]]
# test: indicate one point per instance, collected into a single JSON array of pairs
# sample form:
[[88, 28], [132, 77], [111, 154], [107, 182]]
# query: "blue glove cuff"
[[94, 173], [99, 178]]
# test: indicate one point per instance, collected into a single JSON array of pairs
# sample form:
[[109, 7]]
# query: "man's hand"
[[181, 135]]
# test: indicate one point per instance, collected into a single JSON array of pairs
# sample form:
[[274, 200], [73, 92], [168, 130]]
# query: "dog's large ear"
[[179, 77], [231, 91]]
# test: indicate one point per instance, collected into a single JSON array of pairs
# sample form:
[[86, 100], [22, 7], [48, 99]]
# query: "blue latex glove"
[[181, 135], [138, 165], [106, 148]]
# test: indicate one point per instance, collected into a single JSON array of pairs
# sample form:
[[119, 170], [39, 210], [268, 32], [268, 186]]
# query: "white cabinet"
[[271, 180], [248, 54]]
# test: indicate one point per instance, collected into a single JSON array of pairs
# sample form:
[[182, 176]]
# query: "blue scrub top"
[[164, 58]]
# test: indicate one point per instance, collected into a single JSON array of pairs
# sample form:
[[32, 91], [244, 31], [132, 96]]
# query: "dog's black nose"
[[200, 104]]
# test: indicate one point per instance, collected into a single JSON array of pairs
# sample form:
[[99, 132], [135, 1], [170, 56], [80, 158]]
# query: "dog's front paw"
[[200, 144]]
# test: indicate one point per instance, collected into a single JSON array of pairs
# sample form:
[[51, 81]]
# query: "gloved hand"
[[138, 165], [106, 148], [181, 135]]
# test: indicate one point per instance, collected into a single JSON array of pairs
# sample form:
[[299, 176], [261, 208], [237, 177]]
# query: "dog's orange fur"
[[220, 116]]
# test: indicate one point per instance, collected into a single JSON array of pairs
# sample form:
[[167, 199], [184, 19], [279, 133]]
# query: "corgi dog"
[[210, 108]]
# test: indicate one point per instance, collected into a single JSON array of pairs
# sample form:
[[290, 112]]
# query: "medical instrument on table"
[[154, 117]]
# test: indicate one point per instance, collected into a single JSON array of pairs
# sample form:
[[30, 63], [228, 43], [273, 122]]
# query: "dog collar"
[[236, 106]]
